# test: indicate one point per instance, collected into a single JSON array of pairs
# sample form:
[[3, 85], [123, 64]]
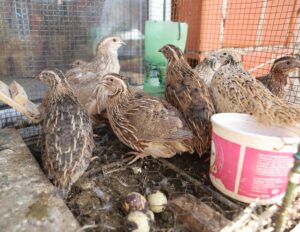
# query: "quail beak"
[[122, 42], [160, 50]]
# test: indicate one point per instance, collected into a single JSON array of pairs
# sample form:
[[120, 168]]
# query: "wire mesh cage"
[[51, 34], [35, 35], [261, 30], [39, 34]]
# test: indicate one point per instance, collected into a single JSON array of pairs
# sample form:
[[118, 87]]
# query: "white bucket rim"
[[215, 117]]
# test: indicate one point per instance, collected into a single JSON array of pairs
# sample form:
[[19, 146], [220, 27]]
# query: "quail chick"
[[75, 70], [234, 90], [189, 94], [78, 63], [67, 132], [277, 79], [150, 126]]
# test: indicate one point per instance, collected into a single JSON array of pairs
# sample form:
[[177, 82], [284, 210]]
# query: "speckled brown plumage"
[[67, 132], [207, 67], [187, 92], [212, 62], [235, 90], [277, 79], [148, 125]]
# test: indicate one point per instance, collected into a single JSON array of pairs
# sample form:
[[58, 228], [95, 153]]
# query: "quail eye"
[[46, 74], [114, 40], [224, 53], [78, 62], [288, 62], [111, 79]]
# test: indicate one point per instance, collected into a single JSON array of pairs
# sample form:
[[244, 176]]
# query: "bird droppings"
[[39, 209], [96, 198]]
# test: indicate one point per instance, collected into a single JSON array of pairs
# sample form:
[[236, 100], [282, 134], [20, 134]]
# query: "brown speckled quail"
[[234, 90], [149, 125], [277, 79], [187, 92], [67, 132]]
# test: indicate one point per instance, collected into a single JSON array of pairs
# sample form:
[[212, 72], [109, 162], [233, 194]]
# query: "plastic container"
[[249, 160], [158, 34]]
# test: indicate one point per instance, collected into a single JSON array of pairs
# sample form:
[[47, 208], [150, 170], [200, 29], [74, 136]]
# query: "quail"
[[186, 91], [105, 60], [84, 77], [277, 79], [78, 63], [148, 125], [233, 89], [75, 70], [67, 132]]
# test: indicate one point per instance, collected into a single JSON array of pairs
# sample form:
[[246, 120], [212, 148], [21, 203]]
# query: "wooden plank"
[[30, 110], [18, 93], [4, 89]]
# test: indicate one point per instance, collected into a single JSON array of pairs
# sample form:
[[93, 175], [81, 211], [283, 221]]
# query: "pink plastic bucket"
[[249, 160]]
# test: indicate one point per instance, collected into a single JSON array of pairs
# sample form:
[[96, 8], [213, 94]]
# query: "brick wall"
[[262, 29]]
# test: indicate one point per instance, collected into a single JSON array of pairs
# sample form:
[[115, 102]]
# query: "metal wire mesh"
[[263, 30], [51, 34], [38, 34]]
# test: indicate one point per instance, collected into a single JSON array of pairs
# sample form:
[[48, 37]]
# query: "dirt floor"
[[96, 198]]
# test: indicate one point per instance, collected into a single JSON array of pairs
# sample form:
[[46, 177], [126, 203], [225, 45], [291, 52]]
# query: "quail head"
[[234, 90], [78, 63], [106, 59], [277, 79], [67, 132], [207, 67], [213, 61], [149, 125], [186, 91]]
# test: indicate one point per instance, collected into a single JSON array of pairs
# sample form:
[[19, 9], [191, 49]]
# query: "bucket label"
[[264, 173], [224, 161]]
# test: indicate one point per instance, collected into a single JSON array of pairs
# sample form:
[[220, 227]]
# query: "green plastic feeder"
[[158, 34]]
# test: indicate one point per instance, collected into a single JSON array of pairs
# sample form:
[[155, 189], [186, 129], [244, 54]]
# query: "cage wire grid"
[[38, 34]]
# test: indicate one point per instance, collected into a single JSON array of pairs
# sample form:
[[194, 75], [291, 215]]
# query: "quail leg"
[[137, 155]]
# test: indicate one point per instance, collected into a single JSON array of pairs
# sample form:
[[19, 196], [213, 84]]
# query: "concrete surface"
[[27, 198]]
